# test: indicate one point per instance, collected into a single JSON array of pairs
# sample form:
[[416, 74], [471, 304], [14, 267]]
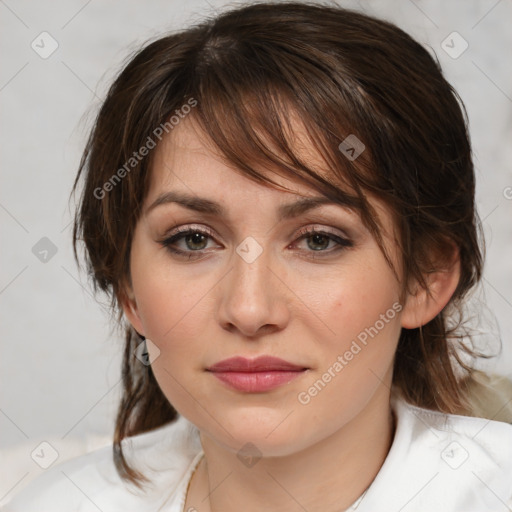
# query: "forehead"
[[188, 153]]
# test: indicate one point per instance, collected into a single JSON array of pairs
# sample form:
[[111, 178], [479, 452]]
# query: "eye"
[[194, 239], [322, 241], [194, 242]]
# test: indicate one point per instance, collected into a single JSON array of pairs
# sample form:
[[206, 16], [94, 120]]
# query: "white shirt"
[[437, 463]]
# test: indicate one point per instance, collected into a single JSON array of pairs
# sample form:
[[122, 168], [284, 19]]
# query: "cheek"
[[175, 309], [362, 314], [362, 294], [173, 313], [358, 358], [178, 328], [167, 299]]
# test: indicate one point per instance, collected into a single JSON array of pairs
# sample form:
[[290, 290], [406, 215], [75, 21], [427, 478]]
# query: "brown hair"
[[343, 73]]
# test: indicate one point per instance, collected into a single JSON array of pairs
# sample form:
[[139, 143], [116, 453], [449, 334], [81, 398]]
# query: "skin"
[[286, 303]]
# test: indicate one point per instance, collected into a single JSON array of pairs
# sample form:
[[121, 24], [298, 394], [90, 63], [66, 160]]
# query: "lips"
[[260, 364], [255, 375]]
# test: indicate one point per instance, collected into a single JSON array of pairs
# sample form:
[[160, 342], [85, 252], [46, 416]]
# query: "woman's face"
[[253, 279]]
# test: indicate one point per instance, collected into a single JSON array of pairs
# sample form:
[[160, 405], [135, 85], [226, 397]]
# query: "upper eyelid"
[[183, 229], [318, 227], [314, 215]]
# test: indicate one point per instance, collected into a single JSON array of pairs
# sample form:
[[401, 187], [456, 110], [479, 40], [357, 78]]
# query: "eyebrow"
[[204, 205]]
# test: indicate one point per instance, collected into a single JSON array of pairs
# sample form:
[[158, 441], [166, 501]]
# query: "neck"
[[328, 476]]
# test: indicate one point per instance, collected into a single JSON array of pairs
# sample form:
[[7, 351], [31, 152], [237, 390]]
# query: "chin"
[[268, 432]]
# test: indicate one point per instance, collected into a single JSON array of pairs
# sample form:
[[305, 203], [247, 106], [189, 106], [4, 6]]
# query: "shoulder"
[[447, 462], [91, 483], [480, 441]]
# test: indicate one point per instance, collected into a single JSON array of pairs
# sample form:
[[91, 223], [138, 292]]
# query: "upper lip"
[[259, 364]]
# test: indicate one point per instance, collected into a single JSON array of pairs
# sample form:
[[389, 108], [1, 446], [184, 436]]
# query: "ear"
[[130, 309], [423, 305]]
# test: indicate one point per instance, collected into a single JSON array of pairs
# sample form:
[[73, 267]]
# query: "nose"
[[253, 297]]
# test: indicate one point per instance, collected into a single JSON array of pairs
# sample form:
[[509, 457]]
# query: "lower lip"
[[257, 382]]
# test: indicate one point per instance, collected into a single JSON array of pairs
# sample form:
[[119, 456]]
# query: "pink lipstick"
[[255, 375]]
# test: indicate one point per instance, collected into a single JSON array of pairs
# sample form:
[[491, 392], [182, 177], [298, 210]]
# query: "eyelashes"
[[318, 241], [190, 236]]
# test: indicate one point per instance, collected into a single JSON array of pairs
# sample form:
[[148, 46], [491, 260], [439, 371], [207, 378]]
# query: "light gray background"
[[60, 358]]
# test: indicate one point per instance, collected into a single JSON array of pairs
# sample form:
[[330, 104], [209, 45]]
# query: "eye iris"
[[318, 241], [195, 238]]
